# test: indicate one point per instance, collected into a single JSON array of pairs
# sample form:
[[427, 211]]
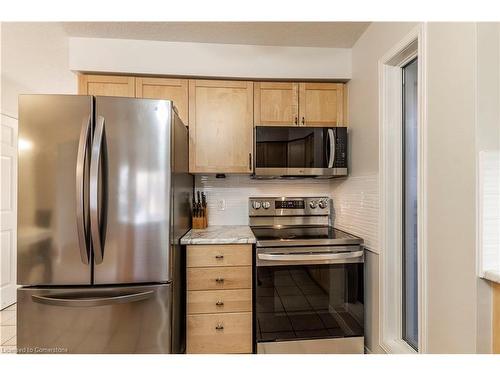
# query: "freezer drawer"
[[134, 319]]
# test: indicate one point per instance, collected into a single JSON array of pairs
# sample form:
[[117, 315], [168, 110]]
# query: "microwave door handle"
[[80, 190], [95, 223], [310, 257], [331, 138]]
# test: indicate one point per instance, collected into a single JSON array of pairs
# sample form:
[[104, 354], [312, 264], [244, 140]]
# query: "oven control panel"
[[288, 206]]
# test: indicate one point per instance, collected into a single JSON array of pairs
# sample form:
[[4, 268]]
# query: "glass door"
[[410, 205], [309, 302]]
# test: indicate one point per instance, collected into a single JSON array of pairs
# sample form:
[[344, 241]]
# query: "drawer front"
[[219, 255], [219, 333], [213, 278], [219, 301]]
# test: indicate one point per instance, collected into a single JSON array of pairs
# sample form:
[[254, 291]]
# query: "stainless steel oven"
[[294, 151], [309, 295]]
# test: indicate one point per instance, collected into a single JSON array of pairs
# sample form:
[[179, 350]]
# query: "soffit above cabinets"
[[294, 34]]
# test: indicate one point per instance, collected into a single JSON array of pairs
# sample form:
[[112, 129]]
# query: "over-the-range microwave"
[[297, 151]]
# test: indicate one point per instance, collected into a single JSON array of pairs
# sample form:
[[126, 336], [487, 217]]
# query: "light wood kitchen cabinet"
[[276, 103], [210, 278], [165, 88], [220, 126], [101, 85], [219, 333], [496, 318], [301, 104], [219, 256], [219, 299], [321, 104]]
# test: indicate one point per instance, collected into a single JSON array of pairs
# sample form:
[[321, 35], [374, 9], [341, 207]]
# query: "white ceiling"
[[303, 34]]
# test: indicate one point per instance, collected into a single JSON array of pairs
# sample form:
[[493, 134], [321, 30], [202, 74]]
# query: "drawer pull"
[[219, 327], [219, 303], [219, 257], [220, 280]]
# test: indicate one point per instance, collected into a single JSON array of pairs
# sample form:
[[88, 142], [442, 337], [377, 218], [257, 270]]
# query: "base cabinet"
[[219, 333], [219, 299]]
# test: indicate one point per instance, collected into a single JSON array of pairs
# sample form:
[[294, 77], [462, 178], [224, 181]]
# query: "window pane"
[[410, 229]]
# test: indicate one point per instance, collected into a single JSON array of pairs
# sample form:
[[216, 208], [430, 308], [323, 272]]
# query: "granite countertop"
[[492, 275], [219, 234]]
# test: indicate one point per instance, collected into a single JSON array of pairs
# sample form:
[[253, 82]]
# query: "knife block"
[[200, 222]]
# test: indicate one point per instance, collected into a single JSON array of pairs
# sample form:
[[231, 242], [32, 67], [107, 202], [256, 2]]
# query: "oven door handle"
[[310, 257]]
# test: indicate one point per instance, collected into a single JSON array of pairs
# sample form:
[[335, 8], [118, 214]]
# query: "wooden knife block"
[[200, 222]]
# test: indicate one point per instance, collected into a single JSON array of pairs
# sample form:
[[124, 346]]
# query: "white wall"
[[34, 60], [488, 171], [207, 59], [457, 299], [459, 304]]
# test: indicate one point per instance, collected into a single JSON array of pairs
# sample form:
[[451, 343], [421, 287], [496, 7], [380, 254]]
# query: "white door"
[[8, 210]]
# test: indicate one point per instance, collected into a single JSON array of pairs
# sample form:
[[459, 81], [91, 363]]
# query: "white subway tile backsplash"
[[356, 207], [236, 189], [355, 200], [489, 211]]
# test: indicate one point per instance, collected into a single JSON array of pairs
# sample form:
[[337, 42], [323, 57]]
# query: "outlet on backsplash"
[[221, 204]]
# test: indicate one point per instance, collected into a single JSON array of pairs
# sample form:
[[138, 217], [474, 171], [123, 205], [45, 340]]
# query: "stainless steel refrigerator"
[[103, 199]]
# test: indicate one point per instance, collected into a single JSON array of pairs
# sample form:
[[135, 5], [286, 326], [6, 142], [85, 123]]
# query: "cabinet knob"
[[219, 257], [219, 327], [219, 280], [296, 120], [219, 303], [303, 120]]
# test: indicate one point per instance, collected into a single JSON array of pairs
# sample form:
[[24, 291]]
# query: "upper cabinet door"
[[321, 104], [221, 126], [99, 85], [276, 103], [165, 88]]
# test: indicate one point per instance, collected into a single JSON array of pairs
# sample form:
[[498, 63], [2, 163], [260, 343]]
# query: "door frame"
[[8, 148], [390, 156]]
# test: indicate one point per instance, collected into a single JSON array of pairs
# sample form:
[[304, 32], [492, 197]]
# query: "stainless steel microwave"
[[295, 151]]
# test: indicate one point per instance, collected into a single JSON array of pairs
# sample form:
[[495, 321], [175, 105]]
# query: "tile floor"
[[8, 330]]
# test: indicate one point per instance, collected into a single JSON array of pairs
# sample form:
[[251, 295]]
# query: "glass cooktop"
[[303, 236]]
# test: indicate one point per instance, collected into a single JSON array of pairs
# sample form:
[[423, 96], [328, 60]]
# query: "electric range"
[[309, 295]]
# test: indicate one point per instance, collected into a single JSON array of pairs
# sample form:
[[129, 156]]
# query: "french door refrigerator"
[[103, 200]]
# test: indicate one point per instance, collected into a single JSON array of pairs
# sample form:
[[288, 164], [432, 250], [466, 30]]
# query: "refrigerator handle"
[[96, 223], [80, 190], [87, 301]]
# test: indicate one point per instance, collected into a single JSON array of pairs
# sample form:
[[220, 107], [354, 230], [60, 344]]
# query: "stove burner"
[[302, 236]]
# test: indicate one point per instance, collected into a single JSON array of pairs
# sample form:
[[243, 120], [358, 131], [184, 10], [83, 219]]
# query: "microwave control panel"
[[340, 148]]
